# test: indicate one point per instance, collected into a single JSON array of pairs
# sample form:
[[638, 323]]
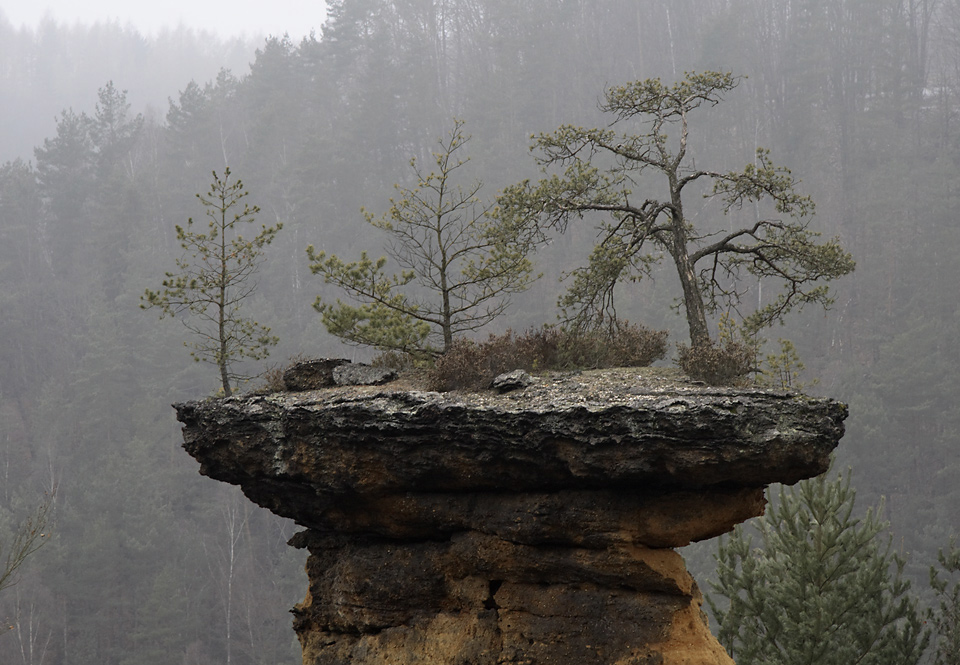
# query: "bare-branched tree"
[[459, 265], [29, 536]]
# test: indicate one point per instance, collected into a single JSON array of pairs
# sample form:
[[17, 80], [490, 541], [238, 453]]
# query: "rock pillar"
[[534, 527]]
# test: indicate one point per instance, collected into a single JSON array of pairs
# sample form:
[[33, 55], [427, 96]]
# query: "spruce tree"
[[946, 615], [824, 587]]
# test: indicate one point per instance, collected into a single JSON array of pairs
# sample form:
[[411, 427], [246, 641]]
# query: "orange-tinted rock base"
[[477, 599]]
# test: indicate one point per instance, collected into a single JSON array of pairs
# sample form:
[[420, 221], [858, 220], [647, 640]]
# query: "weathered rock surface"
[[312, 374], [327, 372], [512, 381], [533, 526], [357, 374]]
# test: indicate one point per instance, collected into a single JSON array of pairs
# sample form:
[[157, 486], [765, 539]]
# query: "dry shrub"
[[397, 360], [627, 345], [273, 377], [458, 369], [470, 365], [272, 380], [638, 346], [724, 364]]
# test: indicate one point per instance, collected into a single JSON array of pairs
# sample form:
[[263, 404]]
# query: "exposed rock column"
[[480, 599]]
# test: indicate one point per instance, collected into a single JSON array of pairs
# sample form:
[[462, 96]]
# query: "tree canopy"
[[823, 586], [459, 264], [640, 181], [945, 581]]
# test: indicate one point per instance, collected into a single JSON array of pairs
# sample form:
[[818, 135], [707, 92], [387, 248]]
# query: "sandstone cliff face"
[[532, 527]]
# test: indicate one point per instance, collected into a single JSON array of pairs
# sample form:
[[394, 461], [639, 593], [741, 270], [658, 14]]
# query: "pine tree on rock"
[[217, 273], [598, 173], [460, 265]]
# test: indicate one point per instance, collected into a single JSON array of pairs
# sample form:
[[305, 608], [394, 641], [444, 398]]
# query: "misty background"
[[107, 133]]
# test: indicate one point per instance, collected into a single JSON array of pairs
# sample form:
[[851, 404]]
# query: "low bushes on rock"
[[470, 365]]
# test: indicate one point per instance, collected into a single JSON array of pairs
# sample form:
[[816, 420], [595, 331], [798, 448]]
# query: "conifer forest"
[[107, 138]]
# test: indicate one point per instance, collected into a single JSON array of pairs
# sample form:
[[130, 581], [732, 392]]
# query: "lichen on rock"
[[531, 526]]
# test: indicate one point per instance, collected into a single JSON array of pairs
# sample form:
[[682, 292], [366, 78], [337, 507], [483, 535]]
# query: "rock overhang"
[[633, 435]]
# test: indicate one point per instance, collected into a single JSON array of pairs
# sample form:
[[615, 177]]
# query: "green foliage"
[[589, 301], [600, 169], [822, 588], [470, 365], [459, 263], [388, 321], [216, 275], [946, 616], [783, 370]]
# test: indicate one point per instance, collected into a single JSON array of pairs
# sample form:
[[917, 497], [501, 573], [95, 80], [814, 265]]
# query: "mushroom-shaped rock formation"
[[535, 526]]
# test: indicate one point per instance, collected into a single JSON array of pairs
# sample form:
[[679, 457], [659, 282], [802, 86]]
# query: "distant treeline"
[[149, 562]]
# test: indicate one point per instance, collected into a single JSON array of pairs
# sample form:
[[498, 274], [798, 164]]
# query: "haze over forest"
[[106, 136]]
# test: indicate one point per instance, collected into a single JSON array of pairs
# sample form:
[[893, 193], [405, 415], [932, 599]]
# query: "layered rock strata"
[[531, 527]]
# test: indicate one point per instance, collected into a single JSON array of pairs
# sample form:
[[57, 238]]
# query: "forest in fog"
[[149, 562]]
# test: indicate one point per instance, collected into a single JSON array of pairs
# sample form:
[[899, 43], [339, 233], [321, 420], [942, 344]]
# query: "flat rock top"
[[602, 389], [606, 428]]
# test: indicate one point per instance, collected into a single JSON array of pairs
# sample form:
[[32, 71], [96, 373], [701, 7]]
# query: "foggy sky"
[[226, 17]]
